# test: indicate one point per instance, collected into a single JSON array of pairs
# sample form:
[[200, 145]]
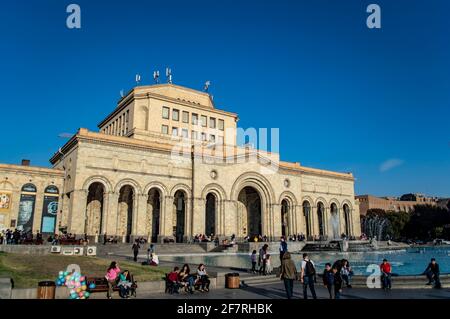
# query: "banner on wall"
[[26, 212], [5, 201], [49, 213]]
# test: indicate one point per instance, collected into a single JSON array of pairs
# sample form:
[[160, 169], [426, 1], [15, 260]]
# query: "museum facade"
[[165, 164]]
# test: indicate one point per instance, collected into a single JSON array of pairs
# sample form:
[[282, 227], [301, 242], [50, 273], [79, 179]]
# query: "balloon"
[[67, 278], [73, 296], [82, 278], [87, 294], [92, 286], [61, 273], [80, 294], [66, 273], [83, 287], [78, 290]]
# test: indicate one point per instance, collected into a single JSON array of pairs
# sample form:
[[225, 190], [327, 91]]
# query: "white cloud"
[[390, 164]]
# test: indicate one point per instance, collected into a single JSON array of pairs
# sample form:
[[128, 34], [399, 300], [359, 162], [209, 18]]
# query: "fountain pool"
[[411, 261]]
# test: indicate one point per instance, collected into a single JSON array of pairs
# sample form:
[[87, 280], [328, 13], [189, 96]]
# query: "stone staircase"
[[161, 249]]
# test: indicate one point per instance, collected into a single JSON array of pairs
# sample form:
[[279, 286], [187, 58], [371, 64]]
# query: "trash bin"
[[46, 290], [232, 281]]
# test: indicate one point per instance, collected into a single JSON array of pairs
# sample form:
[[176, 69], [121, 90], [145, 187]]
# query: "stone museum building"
[[164, 164]]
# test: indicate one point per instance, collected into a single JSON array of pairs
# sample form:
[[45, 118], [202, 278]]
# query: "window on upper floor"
[[165, 112], [203, 136], [174, 131], [184, 133], [194, 119], [204, 120], [212, 138], [194, 135], [185, 117], [165, 129], [221, 125], [175, 115], [212, 122]]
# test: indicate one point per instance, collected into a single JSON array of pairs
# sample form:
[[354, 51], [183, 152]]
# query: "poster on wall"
[[5, 201], [26, 212], [49, 213]]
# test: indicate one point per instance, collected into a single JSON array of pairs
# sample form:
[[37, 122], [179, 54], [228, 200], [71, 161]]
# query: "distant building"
[[404, 203]]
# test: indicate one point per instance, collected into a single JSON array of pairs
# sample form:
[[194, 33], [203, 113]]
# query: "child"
[[124, 284], [337, 283], [328, 279], [154, 260], [253, 259], [268, 265]]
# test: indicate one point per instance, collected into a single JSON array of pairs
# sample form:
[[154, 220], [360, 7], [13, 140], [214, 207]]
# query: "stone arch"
[[160, 186], [334, 201], [266, 197], [99, 179], [128, 181], [182, 187], [216, 189], [289, 196], [321, 199], [335, 222], [346, 201], [6, 185], [253, 179], [287, 202], [307, 216]]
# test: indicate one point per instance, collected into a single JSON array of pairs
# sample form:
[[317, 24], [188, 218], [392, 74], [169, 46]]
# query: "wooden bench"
[[101, 285]]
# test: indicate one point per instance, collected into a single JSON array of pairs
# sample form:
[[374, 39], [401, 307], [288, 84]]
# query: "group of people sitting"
[[202, 238], [183, 278], [122, 279]]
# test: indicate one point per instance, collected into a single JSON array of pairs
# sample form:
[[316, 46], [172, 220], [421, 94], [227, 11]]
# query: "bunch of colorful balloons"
[[76, 283]]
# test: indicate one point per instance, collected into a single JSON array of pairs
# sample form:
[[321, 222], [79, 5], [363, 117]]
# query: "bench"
[[101, 285], [172, 287]]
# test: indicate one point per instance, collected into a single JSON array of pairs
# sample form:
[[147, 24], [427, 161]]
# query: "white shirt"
[[304, 264]]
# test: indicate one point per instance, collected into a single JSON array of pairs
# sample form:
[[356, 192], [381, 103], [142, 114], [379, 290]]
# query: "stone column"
[[230, 218], [168, 217], [141, 215], [78, 213], [199, 218], [111, 212]]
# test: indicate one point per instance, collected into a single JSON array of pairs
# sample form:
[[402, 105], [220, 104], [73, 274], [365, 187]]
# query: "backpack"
[[309, 269]]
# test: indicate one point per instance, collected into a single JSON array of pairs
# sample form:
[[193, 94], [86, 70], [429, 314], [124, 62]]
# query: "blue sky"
[[375, 102]]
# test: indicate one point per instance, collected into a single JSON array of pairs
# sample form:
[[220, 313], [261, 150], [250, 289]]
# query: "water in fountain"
[[375, 227], [335, 225]]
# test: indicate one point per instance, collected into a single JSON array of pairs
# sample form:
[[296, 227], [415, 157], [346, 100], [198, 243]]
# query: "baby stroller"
[[127, 288]]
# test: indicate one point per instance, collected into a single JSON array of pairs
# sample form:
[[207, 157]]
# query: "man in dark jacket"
[[337, 283], [432, 273], [135, 249], [283, 248], [328, 279]]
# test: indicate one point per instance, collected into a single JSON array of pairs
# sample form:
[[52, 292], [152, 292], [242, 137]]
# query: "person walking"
[[135, 249], [288, 273], [307, 277], [253, 259], [283, 248], [386, 270], [328, 280], [432, 272]]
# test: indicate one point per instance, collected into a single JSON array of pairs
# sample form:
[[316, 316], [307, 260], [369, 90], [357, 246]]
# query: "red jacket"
[[386, 267], [173, 276]]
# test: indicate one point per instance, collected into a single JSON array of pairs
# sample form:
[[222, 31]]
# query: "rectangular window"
[[212, 122], [220, 139], [185, 117], [184, 133], [165, 129], [221, 125], [203, 136], [204, 119], [212, 138], [174, 131], [165, 112], [194, 135], [175, 115], [194, 119]]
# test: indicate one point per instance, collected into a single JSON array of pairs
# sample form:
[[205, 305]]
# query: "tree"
[[397, 222], [427, 222]]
